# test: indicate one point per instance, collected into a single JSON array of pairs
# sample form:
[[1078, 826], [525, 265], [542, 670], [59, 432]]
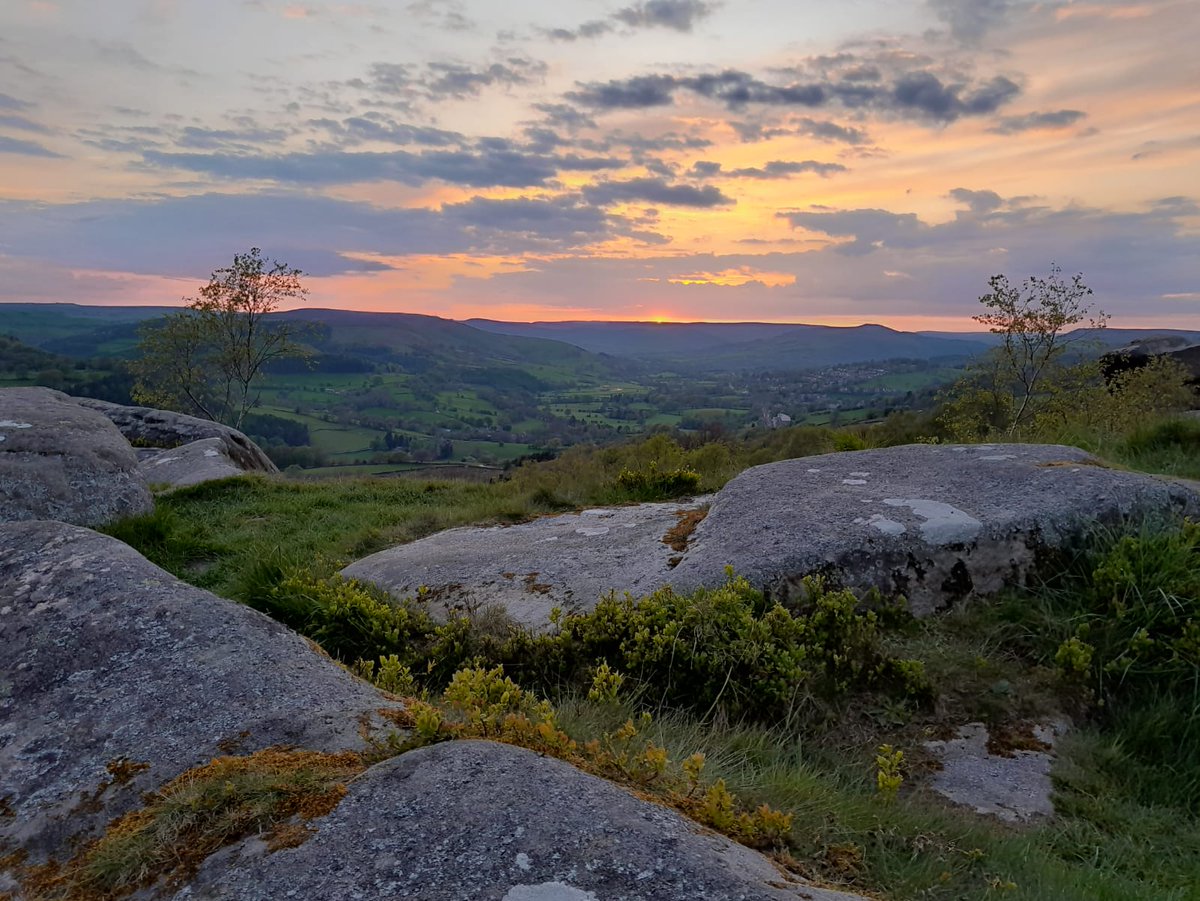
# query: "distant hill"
[[411, 339], [42, 324], [743, 345], [637, 339], [1108, 337], [419, 342]]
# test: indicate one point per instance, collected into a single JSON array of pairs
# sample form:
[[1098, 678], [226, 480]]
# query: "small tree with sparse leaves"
[[1005, 393], [206, 359]]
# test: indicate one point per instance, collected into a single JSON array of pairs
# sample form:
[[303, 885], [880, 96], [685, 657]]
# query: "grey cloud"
[[1177, 205], [863, 72], [679, 15], [440, 80], [871, 229], [736, 89], [26, 148], [970, 20], [920, 93], [484, 167], [446, 14], [1158, 148], [978, 201], [122, 53], [7, 101], [565, 116], [705, 168], [638, 92], [676, 15], [822, 130], [594, 29], [455, 80], [23, 124], [388, 78], [1063, 118], [196, 138], [830, 131], [786, 169], [924, 91], [183, 236], [375, 126], [751, 132], [655, 190]]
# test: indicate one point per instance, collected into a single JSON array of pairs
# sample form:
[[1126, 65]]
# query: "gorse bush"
[[730, 649], [724, 650], [652, 484], [1143, 621], [1122, 626]]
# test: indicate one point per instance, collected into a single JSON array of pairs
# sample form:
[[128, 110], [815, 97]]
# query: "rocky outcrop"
[[1139, 353], [934, 523], [1004, 776], [109, 662], [165, 429], [61, 461], [189, 464], [527, 570], [116, 678], [475, 821]]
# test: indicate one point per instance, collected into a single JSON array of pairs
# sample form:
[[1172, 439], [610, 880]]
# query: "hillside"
[[712, 346], [413, 336]]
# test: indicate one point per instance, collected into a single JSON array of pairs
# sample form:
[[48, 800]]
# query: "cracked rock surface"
[[190, 464], [477, 821], [61, 461], [168, 429], [566, 561], [933, 523], [108, 658]]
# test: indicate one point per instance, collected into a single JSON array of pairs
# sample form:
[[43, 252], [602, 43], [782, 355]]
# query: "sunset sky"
[[838, 162]]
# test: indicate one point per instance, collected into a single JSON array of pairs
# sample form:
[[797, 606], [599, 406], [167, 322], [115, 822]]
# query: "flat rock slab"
[[476, 821], [934, 523], [61, 461], [190, 464], [566, 561], [106, 658], [168, 429], [1014, 786]]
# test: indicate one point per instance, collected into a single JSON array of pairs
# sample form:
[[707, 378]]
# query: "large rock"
[[108, 658], [935, 523], [565, 561], [166, 429], [61, 461], [475, 821], [1139, 353], [190, 464]]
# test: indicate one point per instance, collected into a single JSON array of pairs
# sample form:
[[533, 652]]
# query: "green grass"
[[214, 533]]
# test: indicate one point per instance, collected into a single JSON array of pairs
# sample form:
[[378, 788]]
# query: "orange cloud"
[[736, 277]]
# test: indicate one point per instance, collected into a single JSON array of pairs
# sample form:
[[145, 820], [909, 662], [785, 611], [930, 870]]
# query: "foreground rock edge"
[[111, 663], [458, 820], [61, 461]]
